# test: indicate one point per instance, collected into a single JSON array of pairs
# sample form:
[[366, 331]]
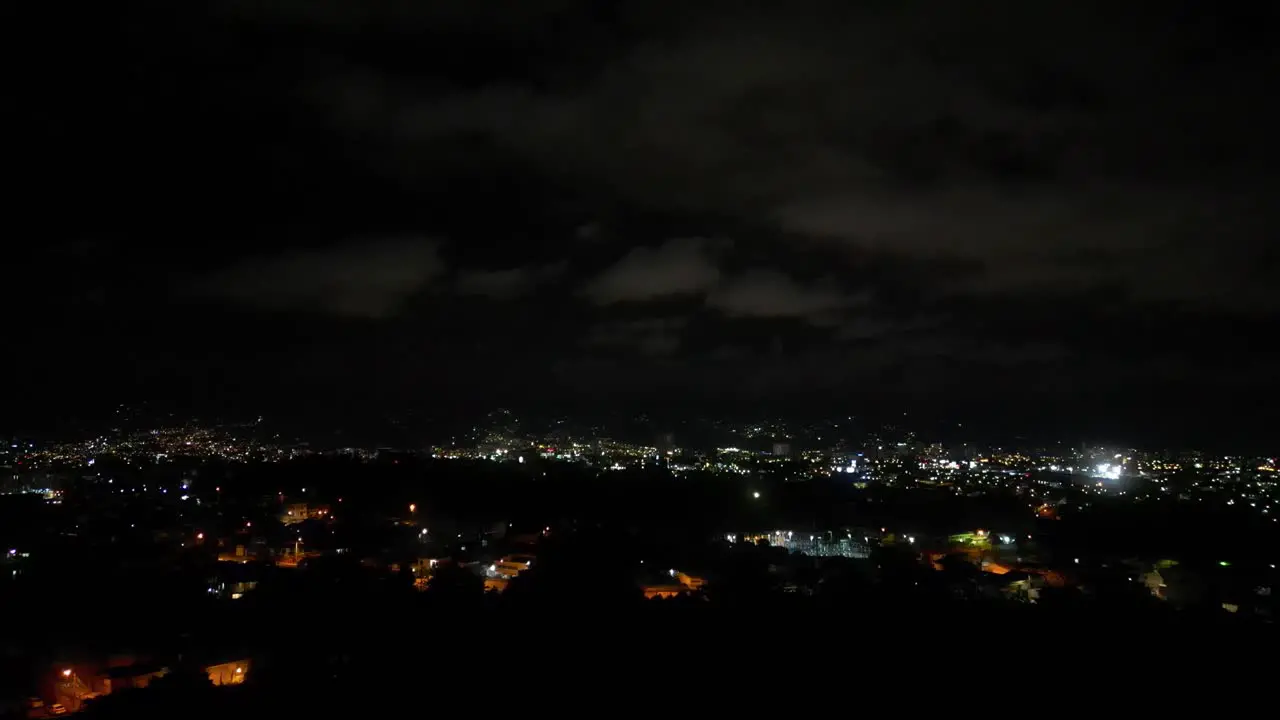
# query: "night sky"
[[1046, 213]]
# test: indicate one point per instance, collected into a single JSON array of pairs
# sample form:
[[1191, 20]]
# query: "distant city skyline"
[[791, 433]]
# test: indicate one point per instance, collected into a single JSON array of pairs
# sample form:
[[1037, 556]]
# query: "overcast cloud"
[[752, 194]]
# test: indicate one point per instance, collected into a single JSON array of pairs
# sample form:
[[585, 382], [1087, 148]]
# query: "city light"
[[66, 673], [1108, 471], [1084, 484]]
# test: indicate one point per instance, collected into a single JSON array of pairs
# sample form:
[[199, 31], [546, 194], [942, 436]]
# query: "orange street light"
[[199, 536], [413, 508], [66, 673]]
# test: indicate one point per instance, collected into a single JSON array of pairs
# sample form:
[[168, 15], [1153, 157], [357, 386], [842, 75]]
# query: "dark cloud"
[[506, 284], [652, 336], [913, 194], [368, 279], [771, 294], [934, 134], [678, 267]]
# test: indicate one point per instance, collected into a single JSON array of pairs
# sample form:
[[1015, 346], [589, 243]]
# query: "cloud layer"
[[368, 279], [678, 267], [721, 194]]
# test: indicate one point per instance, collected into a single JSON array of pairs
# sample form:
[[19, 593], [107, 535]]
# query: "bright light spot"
[[199, 536], [66, 673], [755, 495], [239, 671], [1077, 561], [413, 508], [911, 539]]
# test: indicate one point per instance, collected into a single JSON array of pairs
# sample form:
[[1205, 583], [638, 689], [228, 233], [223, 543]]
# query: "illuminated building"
[[228, 673]]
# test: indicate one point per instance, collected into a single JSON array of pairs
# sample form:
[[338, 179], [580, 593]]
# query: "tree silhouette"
[[183, 677], [453, 584]]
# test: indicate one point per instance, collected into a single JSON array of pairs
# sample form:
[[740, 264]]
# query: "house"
[[232, 672]]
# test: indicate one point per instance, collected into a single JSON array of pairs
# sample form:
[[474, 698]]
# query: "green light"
[[1224, 563]]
